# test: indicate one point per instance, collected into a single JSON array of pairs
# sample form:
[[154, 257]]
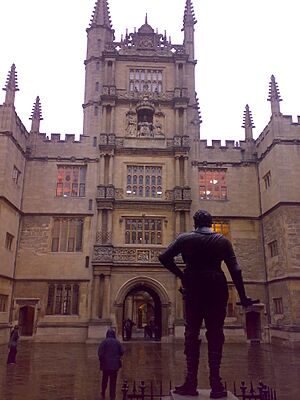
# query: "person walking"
[[12, 345], [110, 352], [205, 293]]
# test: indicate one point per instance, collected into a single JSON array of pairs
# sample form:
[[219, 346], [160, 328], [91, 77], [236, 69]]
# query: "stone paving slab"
[[203, 395]]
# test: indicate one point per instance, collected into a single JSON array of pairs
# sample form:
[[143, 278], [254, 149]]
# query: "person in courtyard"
[[110, 352], [205, 294], [128, 325], [12, 345]]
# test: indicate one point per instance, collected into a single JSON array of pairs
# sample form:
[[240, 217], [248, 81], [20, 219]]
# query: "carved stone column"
[[112, 124], [176, 121], [185, 171], [111, 169], [106, 297], [185, 124], [95, 302], [177, 171], [101, 169], [177, 223], [109, 225]]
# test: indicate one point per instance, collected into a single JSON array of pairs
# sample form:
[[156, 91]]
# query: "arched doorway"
[[26, 320], [142, 306], [253, 326], [152, 300]]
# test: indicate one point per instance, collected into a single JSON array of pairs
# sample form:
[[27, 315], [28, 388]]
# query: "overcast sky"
[[239, 45]]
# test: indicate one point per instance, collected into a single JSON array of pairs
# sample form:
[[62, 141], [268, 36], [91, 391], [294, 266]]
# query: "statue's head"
[[202, 218]]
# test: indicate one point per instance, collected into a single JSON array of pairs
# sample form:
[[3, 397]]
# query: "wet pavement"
[[71, 371]]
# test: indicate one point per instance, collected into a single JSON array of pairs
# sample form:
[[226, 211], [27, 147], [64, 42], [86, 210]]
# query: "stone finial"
[[274, 96], [101, 14], [248, 123], [36, 115], [11, 86], [189, 15]]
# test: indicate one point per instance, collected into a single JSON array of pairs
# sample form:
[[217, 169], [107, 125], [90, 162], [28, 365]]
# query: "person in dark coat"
[[205, 291], [128, 325], [12, 345], [110, 352]]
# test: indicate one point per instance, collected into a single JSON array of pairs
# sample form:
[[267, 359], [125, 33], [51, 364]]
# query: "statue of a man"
[[205, 291], [131, 125]]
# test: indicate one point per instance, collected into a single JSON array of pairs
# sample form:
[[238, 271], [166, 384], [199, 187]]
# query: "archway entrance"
[[26, 319], [253, 326], [143, 307]]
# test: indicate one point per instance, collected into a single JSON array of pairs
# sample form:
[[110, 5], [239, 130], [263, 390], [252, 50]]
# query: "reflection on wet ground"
[[71, 371]]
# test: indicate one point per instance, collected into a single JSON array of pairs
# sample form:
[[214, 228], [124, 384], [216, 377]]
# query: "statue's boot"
[[189, 387], [217, 388]]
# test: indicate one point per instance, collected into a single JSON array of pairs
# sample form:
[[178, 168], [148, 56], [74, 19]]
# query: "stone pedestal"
[[203, 395]]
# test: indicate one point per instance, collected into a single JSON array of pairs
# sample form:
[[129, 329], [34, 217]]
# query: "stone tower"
[[141, 106]]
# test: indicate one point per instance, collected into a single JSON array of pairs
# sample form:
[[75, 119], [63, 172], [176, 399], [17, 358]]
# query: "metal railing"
[[153, 391]]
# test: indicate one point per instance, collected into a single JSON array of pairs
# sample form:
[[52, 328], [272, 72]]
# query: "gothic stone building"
[[83, 221]]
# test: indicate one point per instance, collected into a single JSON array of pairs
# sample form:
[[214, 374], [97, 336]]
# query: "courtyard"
[[69, 371]]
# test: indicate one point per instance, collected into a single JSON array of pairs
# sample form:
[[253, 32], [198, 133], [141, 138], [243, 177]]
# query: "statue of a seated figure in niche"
[[145, 128], [131, 128]]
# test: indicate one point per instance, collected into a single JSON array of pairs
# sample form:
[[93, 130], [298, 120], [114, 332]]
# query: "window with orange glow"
[[221, 227], [212, 184], [70, 181]]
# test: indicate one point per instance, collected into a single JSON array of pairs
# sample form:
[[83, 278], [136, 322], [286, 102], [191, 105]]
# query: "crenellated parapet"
[[41, 146], [283, 130], [232, 151]]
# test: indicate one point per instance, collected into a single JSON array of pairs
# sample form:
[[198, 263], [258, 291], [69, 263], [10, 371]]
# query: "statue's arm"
[[167, 258]]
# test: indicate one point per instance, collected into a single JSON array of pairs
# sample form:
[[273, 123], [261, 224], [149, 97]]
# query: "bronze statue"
[[205, 291]]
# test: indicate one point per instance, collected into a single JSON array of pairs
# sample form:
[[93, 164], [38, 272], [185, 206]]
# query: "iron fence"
[[156, 391]]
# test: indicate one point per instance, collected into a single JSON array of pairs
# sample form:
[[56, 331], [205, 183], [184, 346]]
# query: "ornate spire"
[[11, 86], [101, 14], [248, 123], [189, 14], [274, 97], [36, 115]]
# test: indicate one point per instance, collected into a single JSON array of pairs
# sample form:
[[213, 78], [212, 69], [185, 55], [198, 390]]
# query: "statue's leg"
[[191, 349], [214, 321]]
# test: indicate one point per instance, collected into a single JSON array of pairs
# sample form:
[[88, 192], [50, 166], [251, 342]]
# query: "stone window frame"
[[278, 305], [9, 239], [140, 230], [267, 180], [16, 174], [273, 248], [146, 79], [3, 302], [71, 180], [67, 237], [63, 298], [211, 186], [144, 181]]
